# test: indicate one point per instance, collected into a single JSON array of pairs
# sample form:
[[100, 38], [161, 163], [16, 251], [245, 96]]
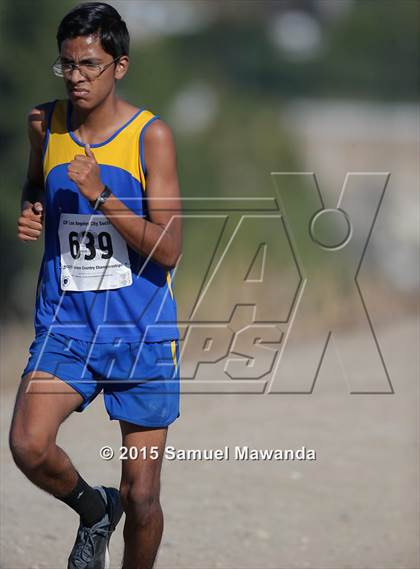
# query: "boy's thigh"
[[142, 453], [42, 403]]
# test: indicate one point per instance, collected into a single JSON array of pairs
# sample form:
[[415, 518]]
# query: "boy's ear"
[[121, 67]]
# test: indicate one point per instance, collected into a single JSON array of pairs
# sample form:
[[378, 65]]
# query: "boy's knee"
[[141, 502], [29, 451]]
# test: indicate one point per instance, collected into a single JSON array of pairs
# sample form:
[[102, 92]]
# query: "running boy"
[[102, 184]]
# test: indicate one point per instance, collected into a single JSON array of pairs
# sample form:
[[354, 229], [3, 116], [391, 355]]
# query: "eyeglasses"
[[89, 71]]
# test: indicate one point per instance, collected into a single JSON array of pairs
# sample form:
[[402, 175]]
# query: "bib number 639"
[[86, 240]]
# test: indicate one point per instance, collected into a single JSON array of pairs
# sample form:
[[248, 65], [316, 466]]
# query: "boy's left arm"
[[161, 234]]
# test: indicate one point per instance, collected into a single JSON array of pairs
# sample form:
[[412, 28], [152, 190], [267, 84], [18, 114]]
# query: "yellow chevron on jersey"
[[62, 145]]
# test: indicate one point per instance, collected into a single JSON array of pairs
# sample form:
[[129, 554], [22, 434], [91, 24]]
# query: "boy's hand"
[[30, 221], [84, 172]]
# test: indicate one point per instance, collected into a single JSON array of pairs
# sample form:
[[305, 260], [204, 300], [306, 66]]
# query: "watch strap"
[[101, 199]]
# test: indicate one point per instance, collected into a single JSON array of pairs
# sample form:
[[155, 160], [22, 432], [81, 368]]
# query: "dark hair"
[[96, 18]]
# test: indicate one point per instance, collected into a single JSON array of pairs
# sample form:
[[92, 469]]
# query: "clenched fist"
[[30, 221], [84, 171]]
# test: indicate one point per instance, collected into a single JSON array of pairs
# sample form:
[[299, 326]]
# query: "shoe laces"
[[86, 542]]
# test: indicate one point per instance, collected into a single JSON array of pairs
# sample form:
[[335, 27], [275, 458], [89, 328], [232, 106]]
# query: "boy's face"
[[89, 88]]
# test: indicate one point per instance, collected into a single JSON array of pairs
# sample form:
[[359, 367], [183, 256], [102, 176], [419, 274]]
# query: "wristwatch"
[[101, 199]]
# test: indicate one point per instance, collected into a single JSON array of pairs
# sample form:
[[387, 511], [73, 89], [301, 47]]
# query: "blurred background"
[[251, 88]]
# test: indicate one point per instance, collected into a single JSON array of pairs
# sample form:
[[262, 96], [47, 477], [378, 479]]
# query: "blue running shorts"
[[140, 380]]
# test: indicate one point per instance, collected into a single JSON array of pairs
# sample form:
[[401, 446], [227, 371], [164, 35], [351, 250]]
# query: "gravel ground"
[[355, 507]]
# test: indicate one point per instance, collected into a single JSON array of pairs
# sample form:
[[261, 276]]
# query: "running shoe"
[[90, 550]]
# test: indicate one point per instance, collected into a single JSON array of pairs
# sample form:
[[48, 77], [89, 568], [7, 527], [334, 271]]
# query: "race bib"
[[94, 256]]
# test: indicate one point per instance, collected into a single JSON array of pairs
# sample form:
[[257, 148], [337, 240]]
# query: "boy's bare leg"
[[40, 409], [140, 489]]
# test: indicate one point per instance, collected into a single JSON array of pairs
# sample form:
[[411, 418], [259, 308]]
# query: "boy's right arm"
[[30, 221]]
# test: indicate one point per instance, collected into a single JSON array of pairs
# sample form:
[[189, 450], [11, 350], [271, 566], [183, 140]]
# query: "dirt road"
[[356, 506]]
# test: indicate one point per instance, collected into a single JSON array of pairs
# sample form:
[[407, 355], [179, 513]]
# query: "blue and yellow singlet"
[[91, 284]]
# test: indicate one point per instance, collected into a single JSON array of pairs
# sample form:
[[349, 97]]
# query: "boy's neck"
[[97, 119]]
